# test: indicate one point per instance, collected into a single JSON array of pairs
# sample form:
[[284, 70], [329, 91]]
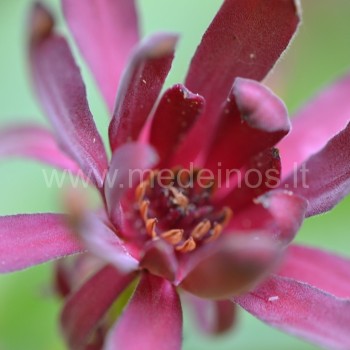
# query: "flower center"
[[177, 208]]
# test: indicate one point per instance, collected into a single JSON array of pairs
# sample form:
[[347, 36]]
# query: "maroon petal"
[[319, 268], [159, 259], [105, 32], [178, 109], [322, 118], [253, 120], [300, 309], [152, 320], [232, 265], [62, 93], [277, 213], [213, 317], [324, 179], [140, 87], [85, 308], [33, 141], [128, 167], [104, 243], [32, 239], [246, 37]]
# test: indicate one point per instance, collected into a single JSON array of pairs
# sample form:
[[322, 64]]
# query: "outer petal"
[[177, 111], [246, 37], [32, 141], [232, 265], [129, 164], [105, 32], [85, 308], [27, 240], [324, 179], [152, 320], [322, 118], [319, 268], [297, 308], [62, 94], [140, 87]]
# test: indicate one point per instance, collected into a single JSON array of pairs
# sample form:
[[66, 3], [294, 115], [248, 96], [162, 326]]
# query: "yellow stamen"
[[173, 236], [201, 229], [150, 227], [187, 246], [215, 233]]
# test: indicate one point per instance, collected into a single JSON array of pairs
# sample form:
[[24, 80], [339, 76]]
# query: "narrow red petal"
[[105, 31], [324, 179], [300, 309], [321, 119], [152, 320], [36, 142], [85, 308], [177, 111], [32, 239], [62, 94], [246, 37], [140, 87]]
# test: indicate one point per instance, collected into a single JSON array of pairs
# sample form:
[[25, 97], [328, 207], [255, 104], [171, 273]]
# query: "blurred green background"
[[320, 53]]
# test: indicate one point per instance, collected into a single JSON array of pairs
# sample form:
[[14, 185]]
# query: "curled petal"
[[324, 179], [246, 37], [232, 265], [140, 87], [32, 239], [152, 320], [85, 308], [61, 91], [105, 31], [300, 309]]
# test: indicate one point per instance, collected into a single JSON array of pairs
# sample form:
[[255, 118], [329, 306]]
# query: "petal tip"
[[41, 22]]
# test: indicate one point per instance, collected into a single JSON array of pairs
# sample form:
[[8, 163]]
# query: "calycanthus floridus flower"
[[173, 213]]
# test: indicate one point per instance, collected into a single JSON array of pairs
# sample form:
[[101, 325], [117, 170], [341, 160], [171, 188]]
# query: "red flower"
[[171, 234]]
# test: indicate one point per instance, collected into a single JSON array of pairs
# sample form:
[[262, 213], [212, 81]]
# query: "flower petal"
[[62, 93], [178, 109], [104, 243], [253, 119], [300, 309], [34, 141], [128, 166], [232, 265], [140, 87], [32, 239], [213, 317], [246, 37], [85, 307], [324, 179], [319, 268], [152, 320], [278, 213], [105, 31], [322, 118]]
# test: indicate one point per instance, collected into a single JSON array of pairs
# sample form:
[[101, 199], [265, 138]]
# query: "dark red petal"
[[128, 166], [261, 174], [178, 109], [232, 265], [32, 239], [253, 119], [319, 268], [322, 118], [213, 317], [152, 320], [62, 93], [105, 32], [300, 309], [36, 142], [140, 87], [324, 179], [159, 259], [278, 213], [85, 308], [244, 40]]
